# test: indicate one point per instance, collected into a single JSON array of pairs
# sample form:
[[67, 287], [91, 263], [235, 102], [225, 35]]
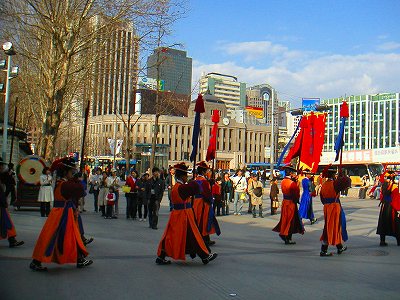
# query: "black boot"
[[324, 251], [383, 243], [12, 242], [341, 248], [82, 263], [211, 257], [260, 213], [36, 265]]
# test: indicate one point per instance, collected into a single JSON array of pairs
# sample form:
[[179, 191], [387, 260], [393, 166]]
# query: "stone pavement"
[[253, 263]]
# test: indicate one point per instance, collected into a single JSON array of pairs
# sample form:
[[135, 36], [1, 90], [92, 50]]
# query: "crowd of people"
[[194, 207]]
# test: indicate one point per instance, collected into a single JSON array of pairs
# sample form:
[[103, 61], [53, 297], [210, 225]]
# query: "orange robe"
[[181, 226], [290, 221], [7, 229], [333, 229], [60, 238], [202, 206]]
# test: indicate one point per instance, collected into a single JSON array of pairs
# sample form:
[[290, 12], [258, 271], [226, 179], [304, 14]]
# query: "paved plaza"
[[253, 263]]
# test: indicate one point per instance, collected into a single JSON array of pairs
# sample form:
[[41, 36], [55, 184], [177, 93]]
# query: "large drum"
[[29, 170]]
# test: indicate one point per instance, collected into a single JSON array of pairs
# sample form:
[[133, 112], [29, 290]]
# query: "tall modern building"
[[374, 122], [173, 67], [110, 86], [226, 88]]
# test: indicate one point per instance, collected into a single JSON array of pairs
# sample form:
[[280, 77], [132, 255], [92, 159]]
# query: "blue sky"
[[303, 48]]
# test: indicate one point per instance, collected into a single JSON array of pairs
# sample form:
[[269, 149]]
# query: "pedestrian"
[[216, 192], [83, 180], [60, 240], [7, 228], [290, 222], [320, 182], [181, 235], [364, 187], [273, 195], [202, 205], [157, 187], [170, 182], [376, 188], [46, 195], [227, 193], [334, 232], [306, 205], [131, 196], [110, 198], [95, 181], [249, 181], [264, 177], [389, 220], [8, 179], [103, 190], [144, 194], [255, 189], [115, 182], [240, 188]]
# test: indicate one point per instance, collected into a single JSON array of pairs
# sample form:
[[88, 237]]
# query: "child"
[[110, 198]]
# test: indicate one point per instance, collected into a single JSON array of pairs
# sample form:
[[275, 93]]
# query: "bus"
[[357, 170], [254, 167]]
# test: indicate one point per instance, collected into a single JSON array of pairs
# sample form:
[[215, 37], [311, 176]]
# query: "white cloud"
[[254, 50], [389, 46], [324, 76]]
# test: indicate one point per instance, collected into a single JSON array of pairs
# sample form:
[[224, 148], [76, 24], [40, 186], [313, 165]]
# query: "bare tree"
[[53, 39]]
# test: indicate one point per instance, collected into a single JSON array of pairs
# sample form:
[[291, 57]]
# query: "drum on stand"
[[29, 170]]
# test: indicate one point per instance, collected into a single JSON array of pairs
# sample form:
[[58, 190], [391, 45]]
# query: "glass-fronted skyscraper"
[[374, 122], [175, 68]]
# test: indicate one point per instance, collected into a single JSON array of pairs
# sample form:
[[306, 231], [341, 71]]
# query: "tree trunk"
[[154, 143]]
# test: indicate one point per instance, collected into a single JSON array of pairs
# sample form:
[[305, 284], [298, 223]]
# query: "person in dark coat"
[[273, 195], [144, 194], [227, 193], [157, 187], [7, 229], [389, 220]]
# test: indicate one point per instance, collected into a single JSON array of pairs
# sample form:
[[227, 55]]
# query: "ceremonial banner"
[[312, 142], [212, 146], [199, 108]]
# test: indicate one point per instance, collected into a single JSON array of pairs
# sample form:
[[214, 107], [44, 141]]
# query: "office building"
[[374, 122], [237, 143], [261, 96], [226, 88], [109, 86], [173, 67]]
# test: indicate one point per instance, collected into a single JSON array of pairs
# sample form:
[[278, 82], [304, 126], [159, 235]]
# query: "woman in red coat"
[[182, 236]]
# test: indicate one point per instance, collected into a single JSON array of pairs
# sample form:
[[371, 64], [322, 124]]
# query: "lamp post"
[[9, 51]]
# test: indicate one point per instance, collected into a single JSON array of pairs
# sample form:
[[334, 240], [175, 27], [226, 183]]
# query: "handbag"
[[243, 197], [126, 189], [275, 203]]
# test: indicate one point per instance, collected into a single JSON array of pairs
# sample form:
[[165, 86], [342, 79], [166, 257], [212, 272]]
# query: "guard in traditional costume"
[[182, 236], [60, 240], [202, 206], [306, 207], [389, 220], [334, 232], [290, 222], [7, 229]]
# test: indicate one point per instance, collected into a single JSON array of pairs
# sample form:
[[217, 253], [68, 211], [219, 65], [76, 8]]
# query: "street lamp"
[[9, 51]]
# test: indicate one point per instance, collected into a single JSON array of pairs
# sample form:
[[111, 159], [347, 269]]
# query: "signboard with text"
[[309, 104], [150, 84]]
